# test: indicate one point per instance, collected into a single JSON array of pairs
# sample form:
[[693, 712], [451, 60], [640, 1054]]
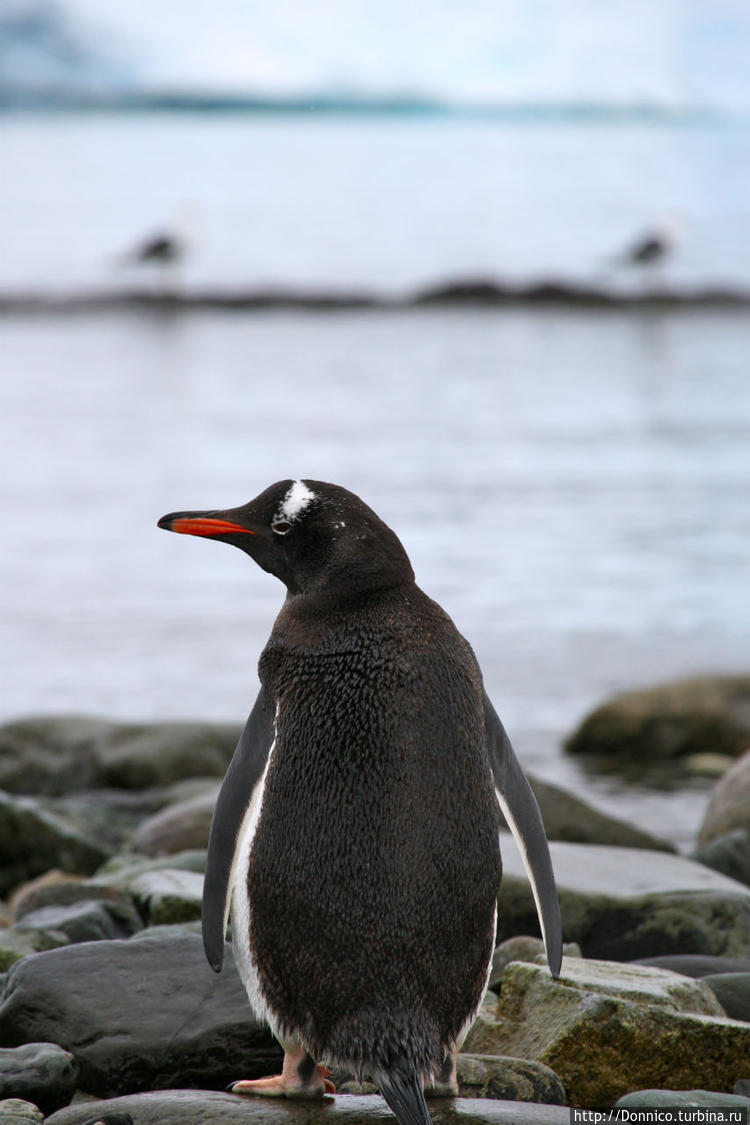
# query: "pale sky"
[[673, 51]]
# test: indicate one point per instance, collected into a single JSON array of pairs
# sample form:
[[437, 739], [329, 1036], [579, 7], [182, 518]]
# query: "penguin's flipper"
[[403, 1090], [235, 797], [520, 809]]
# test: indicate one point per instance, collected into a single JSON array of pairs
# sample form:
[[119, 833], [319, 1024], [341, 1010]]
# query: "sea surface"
[[571, 484]]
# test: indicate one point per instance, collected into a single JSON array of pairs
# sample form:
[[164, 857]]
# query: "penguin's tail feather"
[[403, 1090]]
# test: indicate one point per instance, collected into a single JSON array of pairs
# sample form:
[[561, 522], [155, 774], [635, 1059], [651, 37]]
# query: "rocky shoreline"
[[109, 1011]]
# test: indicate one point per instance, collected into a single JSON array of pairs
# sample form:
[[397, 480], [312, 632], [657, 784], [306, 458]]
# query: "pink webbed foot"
[[301, 1077]]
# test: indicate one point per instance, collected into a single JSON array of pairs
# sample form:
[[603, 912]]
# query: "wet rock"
[[21, 941], [138, 1015], [508, 1079], [92, 920], [670, 721], [178, 827], [732, 990], [643, 1099], [521, 948], [607, 1028], [196, 1107], [623, 903], [567, 817], [40, 1072], [729, 854], [53, 755], [32, 841], [694, 965], [15, 1111], [729, 804]]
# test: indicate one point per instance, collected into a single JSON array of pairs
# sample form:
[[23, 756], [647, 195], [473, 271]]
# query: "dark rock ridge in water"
[[460, 293]]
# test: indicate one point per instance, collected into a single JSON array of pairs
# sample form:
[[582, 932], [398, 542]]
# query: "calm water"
[[379, 203], [573, 487]]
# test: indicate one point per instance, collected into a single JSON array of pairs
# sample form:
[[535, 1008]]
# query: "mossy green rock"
[[606, 1028], [709, 714], [168, 896], [515, 1080], [14, 1111], [21, 941]]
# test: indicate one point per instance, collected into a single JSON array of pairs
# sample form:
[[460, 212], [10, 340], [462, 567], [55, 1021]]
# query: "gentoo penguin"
[[355, 837]]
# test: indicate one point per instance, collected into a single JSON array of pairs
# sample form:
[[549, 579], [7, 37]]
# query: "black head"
[[317, 538]]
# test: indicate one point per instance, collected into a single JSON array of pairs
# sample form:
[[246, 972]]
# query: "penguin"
[[355, 839]]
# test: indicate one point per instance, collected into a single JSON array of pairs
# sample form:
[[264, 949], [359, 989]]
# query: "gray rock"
[[169, 896], [195, 1107], [606, 1028], [138, 1015], [521, 948], [508, 1079], [15, 1111], [729, 803], [178, 929], [178, 827], [567, 817], [623, 903], [696, 966], [41, 1073], [68, 893], [120, 871], [111, 815], [92, 920], [732, 990], [33, 840], [143, 756], [729, 854], [668, 722], [640, 1099], [742, 1088], [50, 755], [21, 941], [53, 755]]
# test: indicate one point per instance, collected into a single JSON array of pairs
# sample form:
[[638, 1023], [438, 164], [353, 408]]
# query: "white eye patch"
[[296, 500]]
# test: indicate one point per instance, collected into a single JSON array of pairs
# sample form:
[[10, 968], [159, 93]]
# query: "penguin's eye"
[[281, 527]]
